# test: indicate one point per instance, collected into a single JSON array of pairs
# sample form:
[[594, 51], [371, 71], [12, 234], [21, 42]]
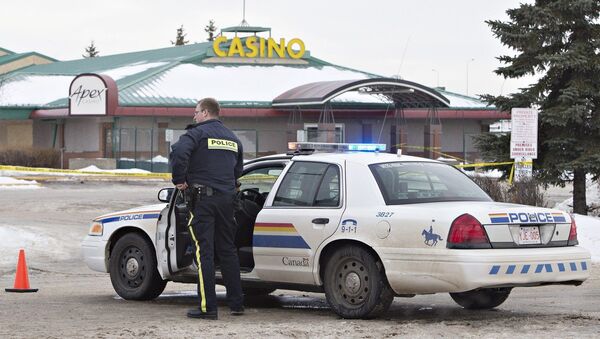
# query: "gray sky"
[[410, 38]]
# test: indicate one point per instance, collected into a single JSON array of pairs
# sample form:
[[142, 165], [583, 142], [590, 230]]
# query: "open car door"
[[174, 245]]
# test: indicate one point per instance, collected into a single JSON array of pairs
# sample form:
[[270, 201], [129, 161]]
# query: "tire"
[[482, 299], [356, 285], [133, 270], [257, 291]]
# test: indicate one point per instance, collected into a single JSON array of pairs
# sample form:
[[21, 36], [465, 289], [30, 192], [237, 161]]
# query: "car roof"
[[365, 158], [268, 157]]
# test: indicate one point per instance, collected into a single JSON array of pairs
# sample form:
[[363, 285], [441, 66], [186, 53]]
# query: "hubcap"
[[132, 267], [352, 281]]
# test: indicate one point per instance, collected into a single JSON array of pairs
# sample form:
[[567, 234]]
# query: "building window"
[[313, 134]]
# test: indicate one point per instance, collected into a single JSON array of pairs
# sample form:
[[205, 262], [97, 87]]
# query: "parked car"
[[358, 224]]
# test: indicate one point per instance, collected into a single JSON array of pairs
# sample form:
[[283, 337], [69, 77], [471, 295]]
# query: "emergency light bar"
[[335, 147]]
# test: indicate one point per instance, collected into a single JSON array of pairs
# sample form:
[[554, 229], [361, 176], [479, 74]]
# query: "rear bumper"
[[423, 271], [93, 249]]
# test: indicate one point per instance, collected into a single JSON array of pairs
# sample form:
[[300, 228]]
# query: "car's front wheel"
[[133, 270], [355, 284], [482, 299]]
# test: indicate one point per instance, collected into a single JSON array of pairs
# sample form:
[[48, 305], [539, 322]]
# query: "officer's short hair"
[[211, 105]]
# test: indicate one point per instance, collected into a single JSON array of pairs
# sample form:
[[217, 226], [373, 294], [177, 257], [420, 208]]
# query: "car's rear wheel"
[[133, 271], [355, 284], [481, 299]]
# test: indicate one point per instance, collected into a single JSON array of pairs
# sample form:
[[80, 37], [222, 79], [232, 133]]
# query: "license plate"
[[529, 235]]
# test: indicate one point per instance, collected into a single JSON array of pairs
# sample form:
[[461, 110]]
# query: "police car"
[[358, 224]]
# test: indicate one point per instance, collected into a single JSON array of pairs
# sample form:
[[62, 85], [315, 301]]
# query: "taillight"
[[467, 232], [573, 233]]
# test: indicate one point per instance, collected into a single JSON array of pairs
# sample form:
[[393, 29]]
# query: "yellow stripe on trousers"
[[200, 279]]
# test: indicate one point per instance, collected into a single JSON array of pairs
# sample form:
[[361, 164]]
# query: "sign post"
[[523, 140]]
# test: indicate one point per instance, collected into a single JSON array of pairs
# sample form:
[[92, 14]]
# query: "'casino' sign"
[[255, 47]]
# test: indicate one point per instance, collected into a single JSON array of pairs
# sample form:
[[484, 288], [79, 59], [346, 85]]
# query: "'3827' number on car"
[[384, 214]]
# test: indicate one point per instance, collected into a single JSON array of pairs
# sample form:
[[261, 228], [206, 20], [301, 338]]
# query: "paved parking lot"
[[74, 301]]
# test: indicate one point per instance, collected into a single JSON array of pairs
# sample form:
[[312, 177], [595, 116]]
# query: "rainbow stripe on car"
[[279, 235]]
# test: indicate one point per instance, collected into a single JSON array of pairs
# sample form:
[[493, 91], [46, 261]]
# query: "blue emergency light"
[[335, 147]]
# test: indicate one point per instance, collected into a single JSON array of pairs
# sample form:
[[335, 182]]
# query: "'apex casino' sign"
[[89, 94], [255, 47]]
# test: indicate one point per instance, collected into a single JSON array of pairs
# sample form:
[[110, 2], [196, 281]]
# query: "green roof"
[[16, 56], [90, 65], [17, 113], [6, 51], [176, 76]]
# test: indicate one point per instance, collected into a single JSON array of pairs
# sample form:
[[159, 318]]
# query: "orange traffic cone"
[[22, 277]]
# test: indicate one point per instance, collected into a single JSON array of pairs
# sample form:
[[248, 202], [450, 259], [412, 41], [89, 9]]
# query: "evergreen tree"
[[180, 38], [559, 41], [210, 29], [91, 51]]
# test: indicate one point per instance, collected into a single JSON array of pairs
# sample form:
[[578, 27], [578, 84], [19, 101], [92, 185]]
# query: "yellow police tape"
[[55, 170], [258, 177], [433, 149], [489, 164], [482, 164]]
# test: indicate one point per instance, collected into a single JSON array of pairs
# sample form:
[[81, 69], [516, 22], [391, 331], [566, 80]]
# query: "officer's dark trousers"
[[213, 228]]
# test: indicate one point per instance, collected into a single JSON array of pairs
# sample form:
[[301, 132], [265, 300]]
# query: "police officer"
[[206, 163]]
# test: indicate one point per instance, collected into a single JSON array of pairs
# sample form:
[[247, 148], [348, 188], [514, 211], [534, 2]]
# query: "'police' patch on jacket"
[[223, 144]]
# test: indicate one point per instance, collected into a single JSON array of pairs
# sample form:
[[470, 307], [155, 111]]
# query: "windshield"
[[417, 182]]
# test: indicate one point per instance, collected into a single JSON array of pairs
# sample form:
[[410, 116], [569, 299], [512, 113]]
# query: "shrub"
[[30, 157], [492, 187], [524, 192]]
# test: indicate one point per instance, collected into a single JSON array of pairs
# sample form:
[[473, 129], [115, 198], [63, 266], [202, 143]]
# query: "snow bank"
[[494, 174], [93, 168], [12, 183], [592, 194], [36, 242], [588, 234], [160, 158]]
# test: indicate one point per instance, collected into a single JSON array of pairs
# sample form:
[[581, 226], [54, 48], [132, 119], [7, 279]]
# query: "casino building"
[[126, 110]]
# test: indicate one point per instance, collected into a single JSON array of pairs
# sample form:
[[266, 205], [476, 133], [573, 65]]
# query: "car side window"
[[329, 190], [309, 184], [261, 179]]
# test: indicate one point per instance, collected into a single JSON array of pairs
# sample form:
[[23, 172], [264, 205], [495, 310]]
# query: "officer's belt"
[[204, 190]]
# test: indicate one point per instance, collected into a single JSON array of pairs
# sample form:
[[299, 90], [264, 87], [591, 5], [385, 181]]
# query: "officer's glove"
[[237, 202]]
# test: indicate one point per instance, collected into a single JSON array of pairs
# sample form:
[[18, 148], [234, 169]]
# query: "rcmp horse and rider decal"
[[431, 239]]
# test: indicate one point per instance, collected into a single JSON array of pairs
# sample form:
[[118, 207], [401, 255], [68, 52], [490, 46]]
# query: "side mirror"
[[164, 195]]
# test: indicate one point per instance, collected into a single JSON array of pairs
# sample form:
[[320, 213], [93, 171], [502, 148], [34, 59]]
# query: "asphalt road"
[[74, 301]]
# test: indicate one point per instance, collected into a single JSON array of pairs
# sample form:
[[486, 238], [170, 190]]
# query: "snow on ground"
[[592, 194], [12, 183], [588, 227], [35, 240], [160, 158], [494, 174], [588, 234], [93, 168]]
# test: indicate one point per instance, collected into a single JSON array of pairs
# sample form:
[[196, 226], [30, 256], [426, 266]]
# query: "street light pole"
[[438, 77], [468, 62]]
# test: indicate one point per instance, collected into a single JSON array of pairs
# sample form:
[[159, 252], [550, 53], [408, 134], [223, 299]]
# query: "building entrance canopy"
[[404, 94]]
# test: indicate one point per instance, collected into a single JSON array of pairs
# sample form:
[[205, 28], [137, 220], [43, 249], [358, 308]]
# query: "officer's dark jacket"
[[208, 154]]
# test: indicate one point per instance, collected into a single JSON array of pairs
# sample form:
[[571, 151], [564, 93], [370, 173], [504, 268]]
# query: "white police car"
[[362, 227]]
